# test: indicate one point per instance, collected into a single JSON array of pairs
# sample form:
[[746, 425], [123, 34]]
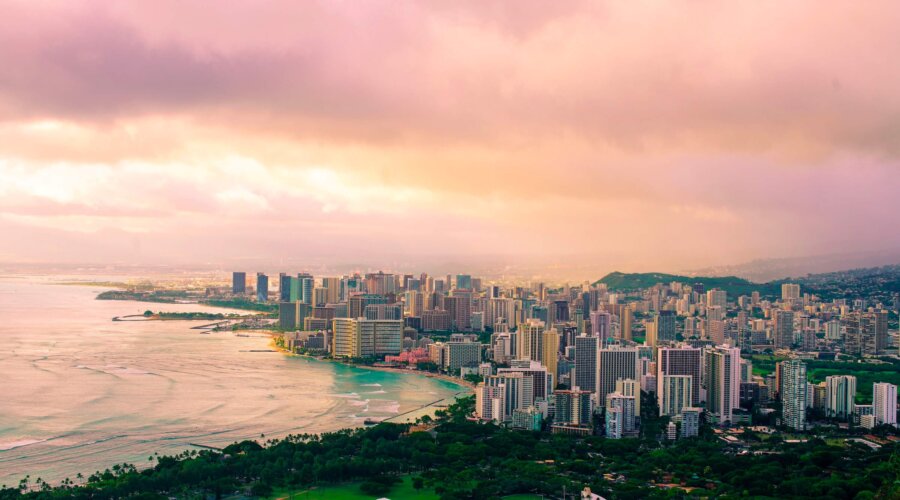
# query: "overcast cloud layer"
[[639, 136]]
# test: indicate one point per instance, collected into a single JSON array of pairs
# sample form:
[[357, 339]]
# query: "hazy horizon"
[[592, 136]]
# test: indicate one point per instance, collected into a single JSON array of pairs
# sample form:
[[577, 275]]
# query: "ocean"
[[80, 392]]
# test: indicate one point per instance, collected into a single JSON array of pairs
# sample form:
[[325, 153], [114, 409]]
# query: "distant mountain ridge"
[[618, 281], [884, 280]]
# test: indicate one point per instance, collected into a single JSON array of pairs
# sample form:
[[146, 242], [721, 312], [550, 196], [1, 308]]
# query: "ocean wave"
[[11, 445], [376, 392], [371, 385]]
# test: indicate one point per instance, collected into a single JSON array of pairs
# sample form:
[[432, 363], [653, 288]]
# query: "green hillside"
[[735, 286]]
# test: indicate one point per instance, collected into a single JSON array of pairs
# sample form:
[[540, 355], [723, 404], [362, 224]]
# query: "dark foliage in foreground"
[[464, 459]]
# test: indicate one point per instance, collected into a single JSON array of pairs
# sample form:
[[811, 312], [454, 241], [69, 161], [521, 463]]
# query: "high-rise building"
[[619, 415], [359, 337], [630, 387], [790, 291], [586, 350], [723, 382], [464, 281], [840, 394], [460, 309], [674, 393], [601, 325], [358, 302], [383, 311], [518, 392], [490, 402], [288, 314], [541, 380], [305, 286], [288, 288], [573, 407], [783, 329], [665, 326], [238, 283], [716, 297], [262, 287], [681, 361], [794, 393], [884, 403], [651, 336], [457, 354], [690, 422], [865, 332], [715, 331], [531, 340], [332, 288], [550, 353], [625, 323], [614, 363]]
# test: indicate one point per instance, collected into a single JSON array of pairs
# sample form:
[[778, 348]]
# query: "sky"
[[629, 135]]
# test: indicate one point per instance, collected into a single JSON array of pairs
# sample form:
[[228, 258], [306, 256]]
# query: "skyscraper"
[[674, 393], [550, 353], [573, 407], [601, 325], [615, 363], [287, 289], [690, 422], [619, 415], [625, 323], [794, 389], [840, 393], [884, 402], [681, 361], [262, 287], [723, 382], [716, 297], [790, 291], [464, 281], [238, 283], [531, 340], [586, 350], [630, 387], [665, 326], [305, 285], [358, 337], [783, 329]]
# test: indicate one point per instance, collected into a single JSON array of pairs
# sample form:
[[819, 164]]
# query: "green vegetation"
[[194, 315], [175, 296], [735, 286], [866, 373], [466, 459], [404, 490], [162, 296], [242, 303]]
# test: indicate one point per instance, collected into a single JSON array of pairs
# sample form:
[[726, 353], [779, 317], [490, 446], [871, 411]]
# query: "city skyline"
[[609, 135]]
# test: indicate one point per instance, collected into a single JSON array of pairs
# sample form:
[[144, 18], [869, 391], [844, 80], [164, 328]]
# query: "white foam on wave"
[[371, 385], [115, 370], [350, 395], [376, 392], [384, 406], [11, 445]]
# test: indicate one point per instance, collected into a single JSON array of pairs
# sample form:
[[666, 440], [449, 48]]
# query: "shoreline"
[[442, 376], [464, 385]]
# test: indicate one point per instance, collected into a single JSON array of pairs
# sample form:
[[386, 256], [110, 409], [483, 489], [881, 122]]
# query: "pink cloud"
[[746, 129]]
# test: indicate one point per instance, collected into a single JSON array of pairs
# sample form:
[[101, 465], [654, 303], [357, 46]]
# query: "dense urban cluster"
[[577, 359]]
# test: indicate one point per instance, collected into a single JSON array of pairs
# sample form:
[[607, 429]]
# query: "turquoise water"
[[79, 392]]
